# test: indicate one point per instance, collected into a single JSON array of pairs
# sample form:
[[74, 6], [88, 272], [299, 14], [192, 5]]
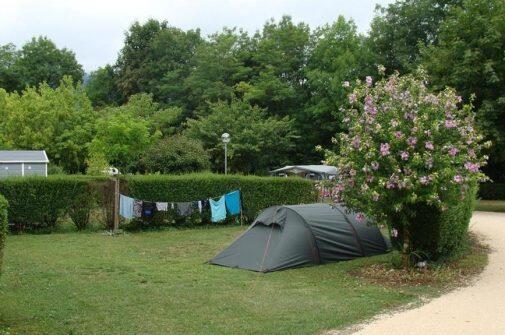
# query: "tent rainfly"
[[285, 237]]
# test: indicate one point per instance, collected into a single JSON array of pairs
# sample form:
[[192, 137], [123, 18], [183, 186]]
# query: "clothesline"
[[229, 203]]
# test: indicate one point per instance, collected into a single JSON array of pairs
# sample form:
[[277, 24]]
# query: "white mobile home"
[[23, 163]]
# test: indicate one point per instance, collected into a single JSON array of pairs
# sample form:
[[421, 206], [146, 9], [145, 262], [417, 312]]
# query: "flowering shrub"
[[404, 146]]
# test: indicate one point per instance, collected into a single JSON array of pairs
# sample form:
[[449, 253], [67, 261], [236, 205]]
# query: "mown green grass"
[[490, 205], [158, 283]]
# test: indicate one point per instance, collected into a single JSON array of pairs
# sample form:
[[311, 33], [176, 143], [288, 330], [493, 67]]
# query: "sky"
[[94, 29]]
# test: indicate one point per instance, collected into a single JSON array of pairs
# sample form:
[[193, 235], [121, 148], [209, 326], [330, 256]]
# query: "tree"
[[60, 121], [258, 143], [41, 61], [470, 58], [405, 148], [177, 154], [339, 55], [8, 56], [102, 89], [123, 135], [156, 59], [398, 31]]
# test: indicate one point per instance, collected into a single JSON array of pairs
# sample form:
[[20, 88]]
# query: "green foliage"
[[156, 58], [97, 164], [4, 205], [258, 142], [36, 203], [492, 191], [469, 57], [60, 121], [398, 31], [177, 154], [438, 234], [102, 89], [124, 133], [257, 192], [38, 61]]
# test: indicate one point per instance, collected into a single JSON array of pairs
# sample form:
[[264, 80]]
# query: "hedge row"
[[257, 192], [492, 191], [3, 226], [36, 203]]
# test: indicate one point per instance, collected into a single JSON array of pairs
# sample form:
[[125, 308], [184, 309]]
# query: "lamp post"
[[226, 139]]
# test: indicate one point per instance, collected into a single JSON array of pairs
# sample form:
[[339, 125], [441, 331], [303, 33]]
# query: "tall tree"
[[8, 57], [399, 29], [102, 87], [156, 58], [41, 61], [60, 121], [470, 57]]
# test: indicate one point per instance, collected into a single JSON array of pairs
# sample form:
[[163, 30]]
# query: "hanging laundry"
[[126, 206], [162, 206], [185, 208], [137, 208], [232, 200], [202, 204], [218, 209], [148, 209]]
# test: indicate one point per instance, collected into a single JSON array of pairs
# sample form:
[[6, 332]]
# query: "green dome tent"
[[285, 237]]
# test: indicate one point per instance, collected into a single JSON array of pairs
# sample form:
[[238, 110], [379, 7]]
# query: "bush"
[[440, 234], [36, 203], [178, 154], [257, 192], [3, 226], [492, 191]]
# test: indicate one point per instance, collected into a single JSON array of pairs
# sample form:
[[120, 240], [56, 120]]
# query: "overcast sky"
[[94, 29]]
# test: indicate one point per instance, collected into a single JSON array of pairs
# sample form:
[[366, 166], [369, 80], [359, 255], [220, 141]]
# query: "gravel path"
[[476, 309]]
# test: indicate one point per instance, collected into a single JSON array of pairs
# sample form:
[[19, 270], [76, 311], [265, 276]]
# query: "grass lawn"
[[490, 205], [157, 283]]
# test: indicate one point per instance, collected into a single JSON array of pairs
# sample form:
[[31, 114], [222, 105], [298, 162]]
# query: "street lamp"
[[226, 139]]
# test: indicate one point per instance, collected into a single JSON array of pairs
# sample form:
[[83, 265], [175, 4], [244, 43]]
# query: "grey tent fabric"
[[284, 237]]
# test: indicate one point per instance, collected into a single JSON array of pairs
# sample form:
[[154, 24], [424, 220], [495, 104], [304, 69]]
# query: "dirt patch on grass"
[[444, 276]]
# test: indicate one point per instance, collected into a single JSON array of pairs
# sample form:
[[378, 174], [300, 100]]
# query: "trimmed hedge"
[[257, 192], [3, 226], [440, 234], [36, 203], [492, 191]]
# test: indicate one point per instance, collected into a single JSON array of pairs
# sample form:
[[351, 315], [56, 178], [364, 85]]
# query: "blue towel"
[[233, 202], [218, 209], [126, 206]]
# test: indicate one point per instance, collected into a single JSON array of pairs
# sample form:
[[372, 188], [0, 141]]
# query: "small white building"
[[23, 163], [314, 172]]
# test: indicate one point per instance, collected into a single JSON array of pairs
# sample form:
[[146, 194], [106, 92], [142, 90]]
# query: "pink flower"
[[472, 167], [429, 145], [375, 166], [412, 141], [450, 124], [375, 197], [471, 153], [404, 155], [384, 149], [345, 84], [453, 151], [394, 123], [394, 232], [369, 81], [352, 98], [424, 180], [356, 141], [398, 134], [360, 217], [458, 179], [352, 172]]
